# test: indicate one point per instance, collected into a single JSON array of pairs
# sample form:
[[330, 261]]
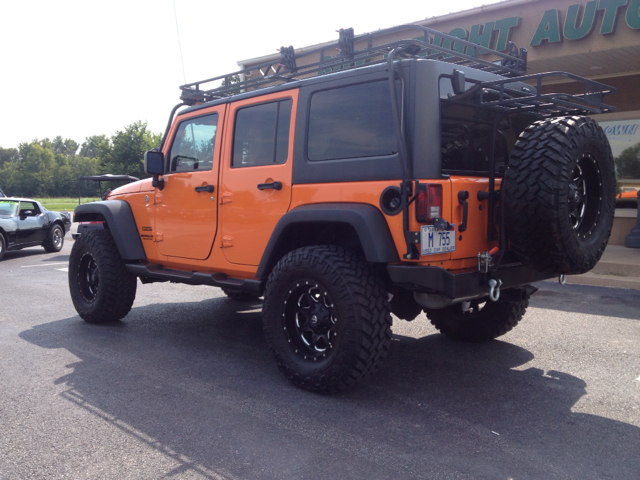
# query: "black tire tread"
[[117, 285], [371, 320], [534, 194], [492, 321]]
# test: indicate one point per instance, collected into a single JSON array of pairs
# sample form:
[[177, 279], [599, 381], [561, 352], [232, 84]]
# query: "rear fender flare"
[[367, 221]]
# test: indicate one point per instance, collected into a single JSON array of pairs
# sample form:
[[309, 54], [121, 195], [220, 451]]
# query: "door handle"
[[463, 196], [205, 188], [267, 186]]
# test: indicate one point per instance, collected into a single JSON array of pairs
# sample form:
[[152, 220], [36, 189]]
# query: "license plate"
[[433, 240]]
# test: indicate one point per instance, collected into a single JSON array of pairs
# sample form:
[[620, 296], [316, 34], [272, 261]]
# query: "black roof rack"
[[430, 44], [501, 96]]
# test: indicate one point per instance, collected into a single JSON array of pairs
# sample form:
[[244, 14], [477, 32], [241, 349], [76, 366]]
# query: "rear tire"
[[55, 239], [101, 287], [484, 321], [559, 194], [326, 318], [3, 246]]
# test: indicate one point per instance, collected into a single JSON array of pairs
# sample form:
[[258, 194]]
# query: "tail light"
[[429, 202]]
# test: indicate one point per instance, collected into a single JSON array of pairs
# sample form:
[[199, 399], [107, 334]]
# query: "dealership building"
[[596, 39]]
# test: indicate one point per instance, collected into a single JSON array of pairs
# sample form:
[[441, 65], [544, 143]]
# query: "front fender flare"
[[119, 218]]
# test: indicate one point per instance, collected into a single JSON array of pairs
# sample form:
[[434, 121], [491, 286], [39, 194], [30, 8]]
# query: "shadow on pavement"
[[196, 382], [605, 301]]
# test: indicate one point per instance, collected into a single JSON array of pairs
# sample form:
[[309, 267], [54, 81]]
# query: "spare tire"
[[559, 194]]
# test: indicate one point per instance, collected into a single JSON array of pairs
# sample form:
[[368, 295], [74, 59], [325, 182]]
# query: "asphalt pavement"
[[185, 387]]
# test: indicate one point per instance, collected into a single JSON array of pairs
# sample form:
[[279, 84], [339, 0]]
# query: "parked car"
[[627, 199], [27, 223]]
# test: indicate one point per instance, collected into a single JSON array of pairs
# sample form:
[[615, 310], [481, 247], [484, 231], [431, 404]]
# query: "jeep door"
[[186, 209], [256, 174]]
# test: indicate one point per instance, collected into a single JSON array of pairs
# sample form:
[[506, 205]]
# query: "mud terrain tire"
[[484, 321], [559, 194], [326, 318], [101, 287]]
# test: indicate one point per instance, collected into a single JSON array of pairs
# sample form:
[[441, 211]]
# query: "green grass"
[[64, 204]]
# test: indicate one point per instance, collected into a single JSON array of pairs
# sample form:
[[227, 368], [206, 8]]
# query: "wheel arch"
[[119, 219], [360, 227]]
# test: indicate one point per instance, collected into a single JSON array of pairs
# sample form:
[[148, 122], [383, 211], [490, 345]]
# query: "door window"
[[193, 145], [261, 134], [26, 207]]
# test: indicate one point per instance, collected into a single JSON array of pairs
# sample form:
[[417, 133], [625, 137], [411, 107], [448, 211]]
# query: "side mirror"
[[26, 213], [458, 82], [154, 165]]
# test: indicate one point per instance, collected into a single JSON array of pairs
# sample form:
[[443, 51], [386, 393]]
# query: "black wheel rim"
[[585, 195], [310, 321], [88, 277]]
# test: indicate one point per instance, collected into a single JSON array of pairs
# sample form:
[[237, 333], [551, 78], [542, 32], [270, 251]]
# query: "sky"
[[77, 68]]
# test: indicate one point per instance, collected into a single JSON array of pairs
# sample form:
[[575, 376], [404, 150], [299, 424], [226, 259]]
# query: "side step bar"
[[156, 273]]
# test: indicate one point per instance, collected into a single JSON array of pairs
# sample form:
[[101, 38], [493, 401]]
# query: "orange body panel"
[[186, 220], [249, 215], [474, 240]]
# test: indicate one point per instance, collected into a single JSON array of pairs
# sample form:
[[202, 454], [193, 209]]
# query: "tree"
[[230, 80], [126, 153], [628, 162], [8, 155], [93, 145]]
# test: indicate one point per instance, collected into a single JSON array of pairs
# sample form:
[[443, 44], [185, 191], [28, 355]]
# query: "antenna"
[[184, 75]]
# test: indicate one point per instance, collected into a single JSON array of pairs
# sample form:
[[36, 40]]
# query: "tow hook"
[[562, 279], [494, 289]]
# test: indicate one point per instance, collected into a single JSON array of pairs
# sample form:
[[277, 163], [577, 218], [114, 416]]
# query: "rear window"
[[351, 122], [466, 135]]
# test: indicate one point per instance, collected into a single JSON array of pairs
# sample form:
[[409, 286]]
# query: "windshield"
[[8, 207]]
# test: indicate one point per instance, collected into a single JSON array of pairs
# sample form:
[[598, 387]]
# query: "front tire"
[[484, 320], [55, 239], [326, 318], [3, 246], [101, 287]]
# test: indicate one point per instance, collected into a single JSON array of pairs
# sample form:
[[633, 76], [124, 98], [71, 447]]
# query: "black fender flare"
[[367, 221], [120, 221]]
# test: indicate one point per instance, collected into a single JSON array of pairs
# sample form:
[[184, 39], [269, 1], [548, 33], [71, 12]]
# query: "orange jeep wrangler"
[[415, 175]]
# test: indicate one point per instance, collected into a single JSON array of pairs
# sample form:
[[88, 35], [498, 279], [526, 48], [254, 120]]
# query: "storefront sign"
[[622, 134], [579, 22]]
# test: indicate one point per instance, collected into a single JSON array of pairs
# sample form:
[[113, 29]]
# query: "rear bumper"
[[436, 280]]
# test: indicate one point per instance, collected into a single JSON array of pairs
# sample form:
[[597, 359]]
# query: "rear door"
[[256, 174], [186, 209]]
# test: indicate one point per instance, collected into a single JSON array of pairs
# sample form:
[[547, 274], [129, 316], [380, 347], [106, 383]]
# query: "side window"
[[192, 148], [24, 206], [261, 135], [351, 122]]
